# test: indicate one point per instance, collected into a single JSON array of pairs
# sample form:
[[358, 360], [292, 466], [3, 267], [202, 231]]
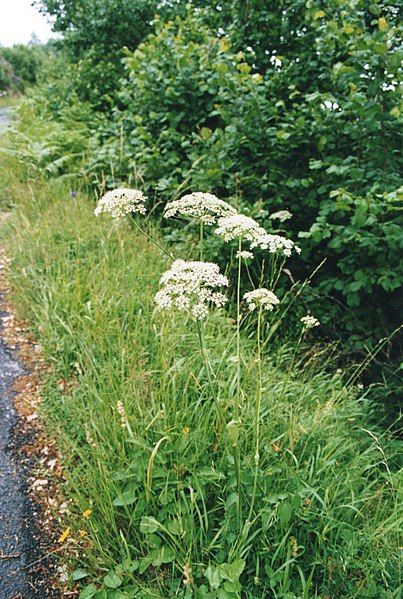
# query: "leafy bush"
[[20, 65], [309, 107]]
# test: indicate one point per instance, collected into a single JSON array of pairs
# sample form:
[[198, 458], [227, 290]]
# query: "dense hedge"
[[294, 107]]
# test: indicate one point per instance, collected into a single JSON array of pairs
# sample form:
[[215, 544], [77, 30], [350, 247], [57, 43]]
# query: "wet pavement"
[[22, 563]]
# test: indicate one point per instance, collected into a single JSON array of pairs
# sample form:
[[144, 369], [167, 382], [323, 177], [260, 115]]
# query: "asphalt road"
[[22, 564]]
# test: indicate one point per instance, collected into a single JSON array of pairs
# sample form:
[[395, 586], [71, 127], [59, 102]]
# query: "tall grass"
[[143, 447]]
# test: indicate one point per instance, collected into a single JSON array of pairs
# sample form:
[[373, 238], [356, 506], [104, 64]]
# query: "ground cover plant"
[[217, 462]]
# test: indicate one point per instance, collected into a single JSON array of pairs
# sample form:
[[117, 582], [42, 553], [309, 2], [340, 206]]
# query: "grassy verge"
[[148, 462]]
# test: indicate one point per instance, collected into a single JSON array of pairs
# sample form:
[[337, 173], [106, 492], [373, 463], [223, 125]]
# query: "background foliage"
[[294, 107]]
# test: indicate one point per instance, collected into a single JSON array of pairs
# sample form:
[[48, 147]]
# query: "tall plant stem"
[[238, 382], [257, 411], [207, 366], [291, 366], [238, 331], [153, 240], [201, 240]]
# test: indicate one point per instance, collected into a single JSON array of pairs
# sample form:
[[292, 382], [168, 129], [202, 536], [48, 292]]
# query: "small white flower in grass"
[[275, 244], [191, 287], [281, 215], [261, 298], [309, 322], [239, 226], [120, 202], [205, 207], [244, 254]]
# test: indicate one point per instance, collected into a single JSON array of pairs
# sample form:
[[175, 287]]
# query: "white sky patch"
[[19, 20]]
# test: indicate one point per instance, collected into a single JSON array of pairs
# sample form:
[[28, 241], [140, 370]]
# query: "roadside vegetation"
[[227, 430]]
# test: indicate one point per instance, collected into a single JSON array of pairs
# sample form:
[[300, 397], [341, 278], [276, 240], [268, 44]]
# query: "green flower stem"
[[257, 410], [207, 365], [238, 331], [201, 240], [153, 240], [238, 390]]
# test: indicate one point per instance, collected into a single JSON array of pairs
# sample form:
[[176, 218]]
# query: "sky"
[[19, 20]]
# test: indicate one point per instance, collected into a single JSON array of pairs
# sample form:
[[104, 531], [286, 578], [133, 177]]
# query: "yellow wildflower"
[[64, 535]]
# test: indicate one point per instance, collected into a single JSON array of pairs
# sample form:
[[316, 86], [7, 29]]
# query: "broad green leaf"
[[112, 580], [78, 574], [149, 525], [88, 592]]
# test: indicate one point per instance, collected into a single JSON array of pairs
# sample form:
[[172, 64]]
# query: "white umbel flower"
[[239, 226], [281, 215], [275, 244], [244, 254], [205, 207], [122, 201], [260, 298], [309, 322], [190, 287]]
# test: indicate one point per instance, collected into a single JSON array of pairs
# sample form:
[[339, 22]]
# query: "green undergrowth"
[[143, 449]]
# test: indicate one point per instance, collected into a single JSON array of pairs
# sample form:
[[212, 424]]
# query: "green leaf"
[[232, 571], [213, 576], [78, 574], [148, 525], [284, 513], [112, 580], [88, 592], [128, 497]]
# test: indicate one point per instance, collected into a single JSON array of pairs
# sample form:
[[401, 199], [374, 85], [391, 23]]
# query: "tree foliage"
[[293, 106]]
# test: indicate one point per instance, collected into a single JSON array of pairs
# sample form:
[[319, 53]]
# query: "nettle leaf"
[[284, 513], [112, 580], [149, 525]]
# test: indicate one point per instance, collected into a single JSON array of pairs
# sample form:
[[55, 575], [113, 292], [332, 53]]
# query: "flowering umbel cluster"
[[275, 244], [190, 287], [205, 207], [122, 201], [309, 322], [281, 215], [239, 226], [260, 298]]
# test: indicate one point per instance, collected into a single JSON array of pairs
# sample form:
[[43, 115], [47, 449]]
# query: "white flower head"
[[205, 207], [122, 201], [239, 226], [260, 298], [275, 244], [244, 254], [309, 322], [191, 287], [281, 215]]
